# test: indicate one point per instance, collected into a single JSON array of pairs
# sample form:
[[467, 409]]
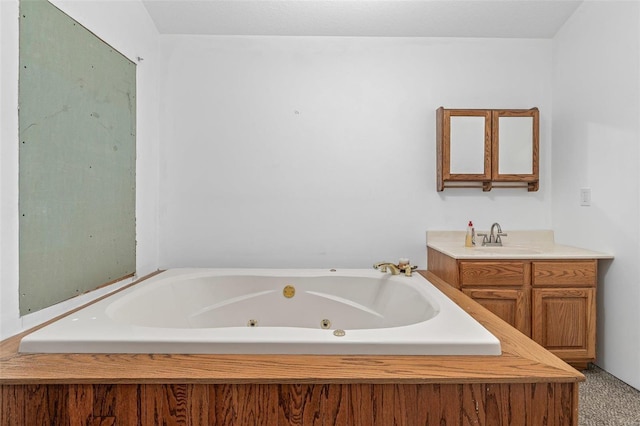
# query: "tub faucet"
[[384, 265], [494, 237], [402, 266]]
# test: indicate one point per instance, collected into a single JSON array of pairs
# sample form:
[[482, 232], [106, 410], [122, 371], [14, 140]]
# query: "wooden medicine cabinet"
[[487, 148]]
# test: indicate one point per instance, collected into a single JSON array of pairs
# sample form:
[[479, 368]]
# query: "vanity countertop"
[[516, 245]]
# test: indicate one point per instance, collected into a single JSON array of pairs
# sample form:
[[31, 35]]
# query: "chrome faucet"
[[494, 237]]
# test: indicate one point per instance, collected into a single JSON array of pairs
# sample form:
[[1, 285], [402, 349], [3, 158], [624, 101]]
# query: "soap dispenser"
[[470, 238]]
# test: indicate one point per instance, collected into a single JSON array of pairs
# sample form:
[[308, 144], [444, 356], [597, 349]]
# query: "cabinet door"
[[564, 321], [463, 145], [515, 140], [512, 305]]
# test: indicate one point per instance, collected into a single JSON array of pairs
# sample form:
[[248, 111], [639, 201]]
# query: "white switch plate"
[[585, 196]]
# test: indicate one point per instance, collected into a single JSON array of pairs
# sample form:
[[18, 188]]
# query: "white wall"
[[596, 134], [320, 152], [126, 26]]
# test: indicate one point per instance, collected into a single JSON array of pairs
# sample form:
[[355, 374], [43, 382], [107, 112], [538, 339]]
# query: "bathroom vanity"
[[545, 290]]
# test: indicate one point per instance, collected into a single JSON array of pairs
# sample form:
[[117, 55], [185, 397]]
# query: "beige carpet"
[[607, 401]]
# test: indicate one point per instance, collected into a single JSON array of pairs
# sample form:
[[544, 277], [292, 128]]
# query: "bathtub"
[[268, 311]]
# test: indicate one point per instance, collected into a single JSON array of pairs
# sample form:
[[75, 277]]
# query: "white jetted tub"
[[269, 311]]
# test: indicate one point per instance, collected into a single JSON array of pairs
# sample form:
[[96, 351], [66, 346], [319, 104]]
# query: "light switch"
[[585, 196]]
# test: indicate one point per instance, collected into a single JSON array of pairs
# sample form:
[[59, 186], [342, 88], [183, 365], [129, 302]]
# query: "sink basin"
[[505, 250]]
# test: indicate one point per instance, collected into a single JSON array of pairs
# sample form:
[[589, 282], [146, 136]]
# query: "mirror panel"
[[467, 145], [515, 135]]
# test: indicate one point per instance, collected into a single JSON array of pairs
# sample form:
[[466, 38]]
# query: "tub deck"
[[526, 383]]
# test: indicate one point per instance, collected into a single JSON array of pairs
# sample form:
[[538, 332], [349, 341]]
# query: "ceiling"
[[383, 18]]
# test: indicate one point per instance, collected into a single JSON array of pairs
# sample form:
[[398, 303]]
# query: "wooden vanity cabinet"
[[551, 301], [563, 308], [501, 287]]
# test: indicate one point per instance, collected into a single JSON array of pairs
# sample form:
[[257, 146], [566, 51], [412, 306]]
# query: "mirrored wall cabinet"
[[487, 148]]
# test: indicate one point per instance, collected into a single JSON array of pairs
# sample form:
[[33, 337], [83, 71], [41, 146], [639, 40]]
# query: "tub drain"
[[252, 323], [325, 323], [339, 333]]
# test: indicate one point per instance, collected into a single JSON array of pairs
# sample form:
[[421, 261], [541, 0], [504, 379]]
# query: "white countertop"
[[516, 245]]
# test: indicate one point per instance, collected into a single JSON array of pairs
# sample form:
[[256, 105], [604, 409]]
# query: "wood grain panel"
[[58, 402], [284, 404], [152, 400], [105, 401], [128, 406], [493, 408], [337, 405], [37, 410], [45, 405], [450, 404], [428, 403], [473, 405], [567, 273], [361, 403], [198, 408], [221, 404], [515, 404], [443, 266], [404, 407], [12, 404], [564, 411], [541, 396], [564, 321], [81, 401], [303, 404], [497, 409], [175, 403], [104, 421], [511, 305], [509, 273], [383, 401], [257, 404]]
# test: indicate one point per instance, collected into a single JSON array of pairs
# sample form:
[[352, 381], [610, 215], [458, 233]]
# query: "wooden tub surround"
[[526, 385]]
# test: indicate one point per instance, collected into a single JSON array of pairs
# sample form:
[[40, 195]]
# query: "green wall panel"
[[77, 100]]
